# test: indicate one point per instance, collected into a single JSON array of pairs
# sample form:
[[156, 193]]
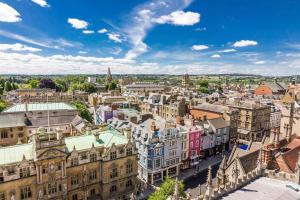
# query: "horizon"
[[159, 37]]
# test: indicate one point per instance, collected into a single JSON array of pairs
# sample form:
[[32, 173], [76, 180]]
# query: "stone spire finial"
[[209, 186], [223, 164], [24, 157]]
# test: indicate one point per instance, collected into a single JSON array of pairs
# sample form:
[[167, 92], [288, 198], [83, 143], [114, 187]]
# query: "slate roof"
[[39, 107], [12, 120], [218, 123]]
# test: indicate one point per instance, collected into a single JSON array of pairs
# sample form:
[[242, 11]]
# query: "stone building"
[[185, 81], [253, 120], [18, 122], [99, 165]]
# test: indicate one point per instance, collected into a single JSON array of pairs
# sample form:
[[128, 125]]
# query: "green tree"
[[89, 87], [3, 105], [34, 83], [166, 189], [111, 86], [204, 90], [7, 86], [83, 111]]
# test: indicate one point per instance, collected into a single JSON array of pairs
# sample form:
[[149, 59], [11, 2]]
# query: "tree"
[[47, 83], [3, 105], [34, 83], [83, 111], [7, 86], [61, 85], [111, 86], [167, 189], [89, 87], [204, 90]]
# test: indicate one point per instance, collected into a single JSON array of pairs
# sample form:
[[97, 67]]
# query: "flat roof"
[[266, 189], [39, 107]]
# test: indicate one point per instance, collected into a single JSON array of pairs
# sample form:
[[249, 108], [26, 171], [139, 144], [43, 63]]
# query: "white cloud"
[[77, 23], [116, 51], [179, 18], [103, 30], [41, 3], [8, 14], [260, 62], [82, 52], [216, 56], [115, 37], [245, 43], [142, 20], [59, 43], [199, 47], [201, 29], [88, 31], [17, 47], [227, 51]]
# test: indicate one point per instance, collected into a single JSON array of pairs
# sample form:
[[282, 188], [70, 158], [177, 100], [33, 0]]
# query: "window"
[[129, 168], [150, 164], [74, 161], [128, 183], [1, 177], [113, 188], [157, 163], [92, 192], [52, 188], [24, 172], [58, 166], [26, 192], [4, 134], [20, 128], [113, 155], [74, 197], [44, 169], [2, 195], [74, 180], [114, 173], [93, 175], [129, 151], [93, 157], [83, 156]]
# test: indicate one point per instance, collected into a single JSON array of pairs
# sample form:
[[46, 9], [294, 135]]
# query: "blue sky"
[[159, 36]]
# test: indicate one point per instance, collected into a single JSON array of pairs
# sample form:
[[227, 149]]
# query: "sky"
[[150, 37]]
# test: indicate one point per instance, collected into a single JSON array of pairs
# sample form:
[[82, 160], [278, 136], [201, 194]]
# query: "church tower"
[[185, 81], [109, 76]]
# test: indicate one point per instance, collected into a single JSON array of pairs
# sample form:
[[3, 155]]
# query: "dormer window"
[[24, 172], [93, 157], [128, 151], [113, 155]]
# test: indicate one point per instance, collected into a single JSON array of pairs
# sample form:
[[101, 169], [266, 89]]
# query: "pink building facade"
[[194, 151]]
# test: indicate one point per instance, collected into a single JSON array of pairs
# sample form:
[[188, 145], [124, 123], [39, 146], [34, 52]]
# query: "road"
[[191, 184]]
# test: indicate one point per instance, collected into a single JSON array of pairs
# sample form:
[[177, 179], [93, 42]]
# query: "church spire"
[[109, 76], [209, 186]]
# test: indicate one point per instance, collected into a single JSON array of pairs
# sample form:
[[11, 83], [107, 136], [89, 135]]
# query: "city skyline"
[[149, 37]]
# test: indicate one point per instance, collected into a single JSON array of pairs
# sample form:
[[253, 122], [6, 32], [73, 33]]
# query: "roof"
[[39, 107], [82, 142], [14, 154], [265, 188], [112, 136], [8, 120], [211, 107], [218, 123]]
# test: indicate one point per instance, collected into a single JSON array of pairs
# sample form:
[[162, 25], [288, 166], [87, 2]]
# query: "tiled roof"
[[39, 107]]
